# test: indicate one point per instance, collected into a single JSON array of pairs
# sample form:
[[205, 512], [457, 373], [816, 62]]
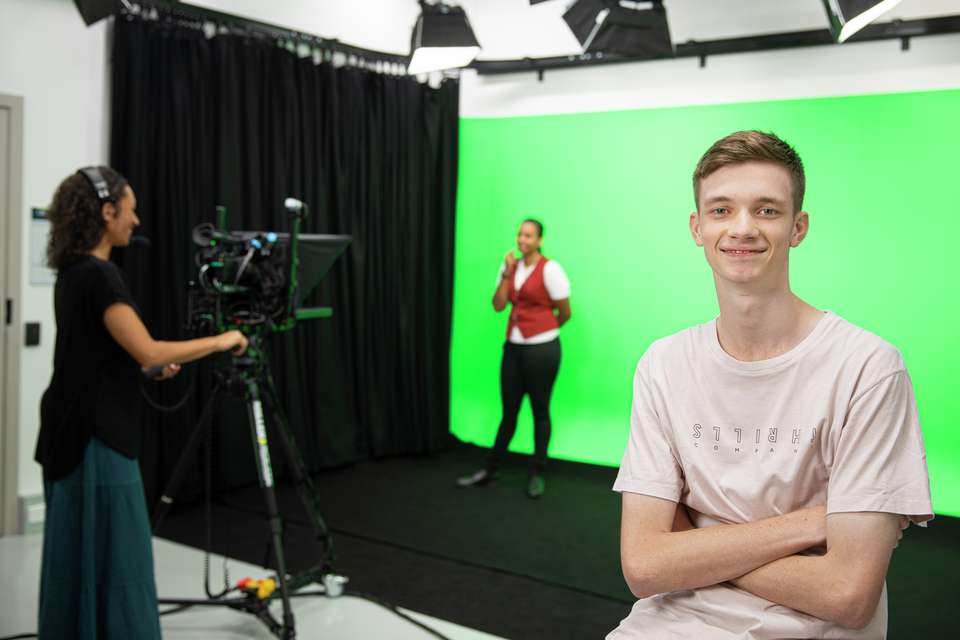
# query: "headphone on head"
[[99, 184]]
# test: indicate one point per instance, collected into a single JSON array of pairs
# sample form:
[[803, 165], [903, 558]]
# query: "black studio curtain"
[[244, 122]]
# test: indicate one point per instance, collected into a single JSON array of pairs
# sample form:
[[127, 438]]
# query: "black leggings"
[[526, 369]]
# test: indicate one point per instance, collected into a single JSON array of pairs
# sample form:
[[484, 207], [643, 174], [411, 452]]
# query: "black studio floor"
[[494, 560]]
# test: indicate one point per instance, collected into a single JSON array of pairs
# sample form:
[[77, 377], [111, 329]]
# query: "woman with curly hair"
[[97, 576]]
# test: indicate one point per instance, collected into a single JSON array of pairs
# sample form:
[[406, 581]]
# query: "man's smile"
[[742, 253]]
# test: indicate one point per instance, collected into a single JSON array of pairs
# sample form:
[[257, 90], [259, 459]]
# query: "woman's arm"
[[500, 296], [128, 330], [563, 310]]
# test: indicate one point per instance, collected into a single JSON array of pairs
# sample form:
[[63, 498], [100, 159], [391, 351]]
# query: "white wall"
[[58, 66]]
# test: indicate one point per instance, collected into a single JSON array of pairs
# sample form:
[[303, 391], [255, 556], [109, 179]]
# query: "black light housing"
[[96, 10], [634, 29], [849, 16], [442, 39]]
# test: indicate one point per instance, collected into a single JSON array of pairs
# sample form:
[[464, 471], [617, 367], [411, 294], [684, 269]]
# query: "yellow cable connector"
[[266, 588]]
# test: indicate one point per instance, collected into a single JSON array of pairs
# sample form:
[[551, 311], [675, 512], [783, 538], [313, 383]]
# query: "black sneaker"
[[478, 479], [536, 486]]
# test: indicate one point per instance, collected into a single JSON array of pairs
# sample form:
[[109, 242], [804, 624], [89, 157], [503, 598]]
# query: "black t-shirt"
[[93, 392]]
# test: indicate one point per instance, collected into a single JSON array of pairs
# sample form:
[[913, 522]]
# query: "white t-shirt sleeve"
[[649, 464], [556, 281], [880, 462]]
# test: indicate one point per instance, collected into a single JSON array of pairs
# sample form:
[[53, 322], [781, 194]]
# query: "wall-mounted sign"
[[40, 273]]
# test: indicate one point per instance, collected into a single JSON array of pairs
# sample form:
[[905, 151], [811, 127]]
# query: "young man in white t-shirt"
[[775, 453]]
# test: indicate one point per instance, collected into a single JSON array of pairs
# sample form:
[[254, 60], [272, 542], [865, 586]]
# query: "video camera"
[[255, 281]]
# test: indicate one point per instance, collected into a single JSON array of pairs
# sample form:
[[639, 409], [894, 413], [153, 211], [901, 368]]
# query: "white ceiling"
[[509, 29]]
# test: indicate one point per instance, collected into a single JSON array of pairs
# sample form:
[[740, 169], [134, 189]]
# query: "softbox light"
[[441, 39], [634, 29], [95, 10], [849, 16]]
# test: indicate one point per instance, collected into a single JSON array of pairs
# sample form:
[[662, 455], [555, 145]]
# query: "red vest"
[[532, 308]]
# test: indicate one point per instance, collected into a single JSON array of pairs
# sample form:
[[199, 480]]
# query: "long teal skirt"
[[96, 578]]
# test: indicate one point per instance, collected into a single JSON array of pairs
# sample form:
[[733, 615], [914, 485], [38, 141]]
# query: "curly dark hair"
[[76, 226]]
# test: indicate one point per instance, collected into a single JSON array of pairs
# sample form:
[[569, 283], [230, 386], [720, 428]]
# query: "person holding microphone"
[[538, 292], [97, 578]]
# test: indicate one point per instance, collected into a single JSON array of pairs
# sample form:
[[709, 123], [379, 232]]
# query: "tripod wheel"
[[334, 584]]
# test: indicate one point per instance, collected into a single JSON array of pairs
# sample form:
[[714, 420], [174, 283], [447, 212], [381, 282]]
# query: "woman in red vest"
[[539, 294]]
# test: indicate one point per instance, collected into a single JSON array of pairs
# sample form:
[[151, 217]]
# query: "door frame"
[[11, 211]]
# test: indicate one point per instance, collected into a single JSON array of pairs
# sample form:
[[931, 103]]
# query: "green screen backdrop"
[[614, 192]]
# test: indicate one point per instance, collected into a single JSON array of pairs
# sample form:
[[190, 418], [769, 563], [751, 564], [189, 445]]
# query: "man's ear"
[[695, 228], [801, 225]]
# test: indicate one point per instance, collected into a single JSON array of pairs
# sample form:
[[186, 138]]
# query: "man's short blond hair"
[[752, 146]]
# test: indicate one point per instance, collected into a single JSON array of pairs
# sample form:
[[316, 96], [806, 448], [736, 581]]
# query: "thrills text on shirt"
[[741, 439]]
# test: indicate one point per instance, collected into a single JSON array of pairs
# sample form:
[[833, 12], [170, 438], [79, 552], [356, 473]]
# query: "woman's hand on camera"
[[233, 341], [510, 260]]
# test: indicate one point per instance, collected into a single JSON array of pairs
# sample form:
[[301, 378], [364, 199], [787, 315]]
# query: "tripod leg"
[[258, 430], [305, 486], [166, 498]]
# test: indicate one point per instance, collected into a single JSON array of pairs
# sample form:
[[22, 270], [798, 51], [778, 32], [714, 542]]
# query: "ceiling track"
[[902, 30]]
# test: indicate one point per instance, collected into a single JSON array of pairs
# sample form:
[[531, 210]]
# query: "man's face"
[[746, 224]]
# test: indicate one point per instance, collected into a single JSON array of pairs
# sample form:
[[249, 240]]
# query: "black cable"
[[176, 609], [208, 484], [22, 635], [163, 408]]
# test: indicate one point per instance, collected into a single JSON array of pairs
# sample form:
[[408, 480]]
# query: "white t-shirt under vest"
[[558, 288]]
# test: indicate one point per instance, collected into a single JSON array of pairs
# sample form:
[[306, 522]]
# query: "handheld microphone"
[[139, 241]]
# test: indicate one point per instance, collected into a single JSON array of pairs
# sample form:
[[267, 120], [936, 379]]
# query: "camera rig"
[[254, 281]]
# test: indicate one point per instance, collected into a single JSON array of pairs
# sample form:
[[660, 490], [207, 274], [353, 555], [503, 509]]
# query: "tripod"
[[250, 376]]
